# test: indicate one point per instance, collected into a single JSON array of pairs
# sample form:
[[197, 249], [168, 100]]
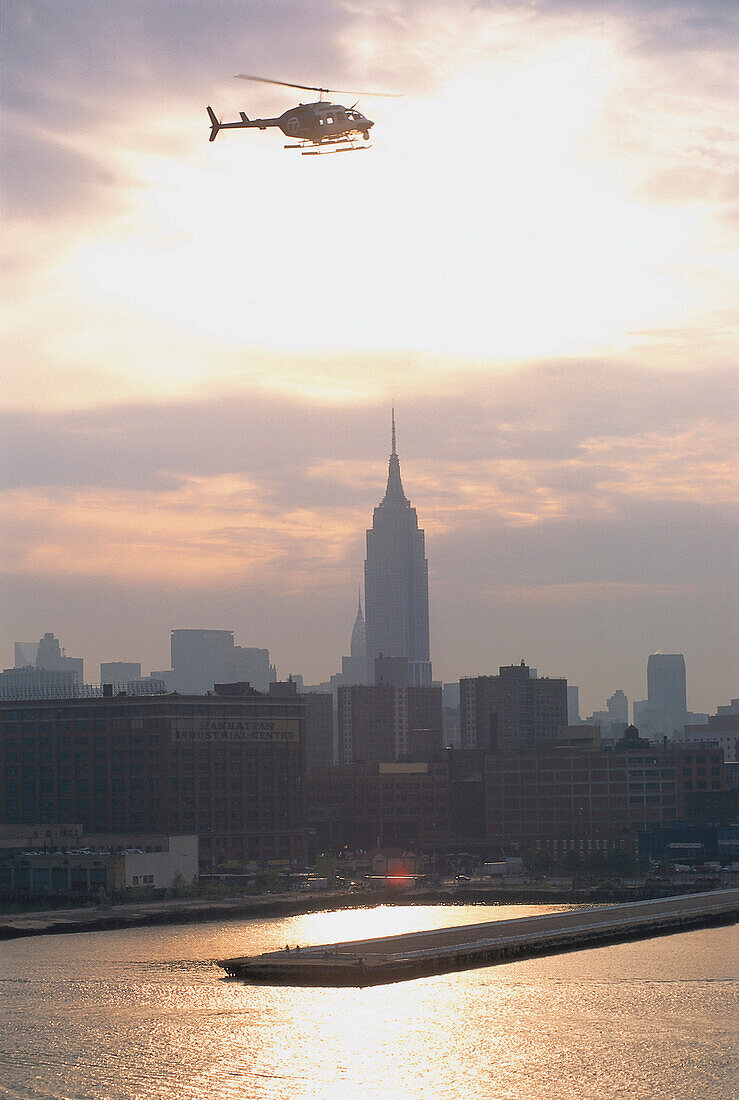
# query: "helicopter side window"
[[329, 119]]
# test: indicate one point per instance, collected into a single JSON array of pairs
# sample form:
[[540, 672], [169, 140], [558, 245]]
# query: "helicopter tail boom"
[[245, 123]]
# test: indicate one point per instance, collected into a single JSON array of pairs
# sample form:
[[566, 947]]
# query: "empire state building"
[[396, 594]]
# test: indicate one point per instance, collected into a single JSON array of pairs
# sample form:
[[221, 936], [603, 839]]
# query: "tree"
[[572, 863], [179, 886], [541, 863], [621, 864], [325, 868], [595, 864]]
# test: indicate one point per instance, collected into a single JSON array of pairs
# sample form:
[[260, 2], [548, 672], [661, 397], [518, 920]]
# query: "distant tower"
[[396, 596], [358, 648], [618, 707], [665, 710], [666, 682], [49, 654], [354, 668]]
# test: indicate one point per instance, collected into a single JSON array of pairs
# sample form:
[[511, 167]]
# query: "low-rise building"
[[566, 798], [721, 728], [368, 805], [393, 867], [228, 767], [92, 865]]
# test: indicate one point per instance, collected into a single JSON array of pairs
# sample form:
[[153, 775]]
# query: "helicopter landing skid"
[[339, 145]]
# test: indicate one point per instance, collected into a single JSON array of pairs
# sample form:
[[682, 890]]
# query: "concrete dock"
[[416, 954]]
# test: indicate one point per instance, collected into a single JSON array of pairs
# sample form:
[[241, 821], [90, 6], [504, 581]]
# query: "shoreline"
[[201, 910]]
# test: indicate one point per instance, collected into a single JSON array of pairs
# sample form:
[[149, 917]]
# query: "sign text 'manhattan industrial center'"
[[255, 730]]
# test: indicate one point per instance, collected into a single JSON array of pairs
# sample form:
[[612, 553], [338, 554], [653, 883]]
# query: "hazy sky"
[[201, 342]]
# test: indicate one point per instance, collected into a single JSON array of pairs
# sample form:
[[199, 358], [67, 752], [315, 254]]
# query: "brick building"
[[385, 722], [363, 805], [228, 767], [568, 798], [512, 711], [721, 728], [319, 722]]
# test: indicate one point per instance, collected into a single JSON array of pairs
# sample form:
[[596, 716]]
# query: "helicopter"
[[316, 127]]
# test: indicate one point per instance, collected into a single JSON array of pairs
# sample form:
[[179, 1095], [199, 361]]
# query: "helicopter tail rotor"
[[214, 124]]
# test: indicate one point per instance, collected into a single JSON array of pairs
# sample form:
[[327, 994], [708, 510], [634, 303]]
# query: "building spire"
[[394, 491], [359, 642]]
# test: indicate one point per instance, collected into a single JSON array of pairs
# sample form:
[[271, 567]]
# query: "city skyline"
[[202, 341], [635, 687]]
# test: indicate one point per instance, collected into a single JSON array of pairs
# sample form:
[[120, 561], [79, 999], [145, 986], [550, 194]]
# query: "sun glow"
[[474, 228]]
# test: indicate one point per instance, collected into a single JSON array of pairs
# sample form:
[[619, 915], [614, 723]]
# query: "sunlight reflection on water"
[[146, 1013]]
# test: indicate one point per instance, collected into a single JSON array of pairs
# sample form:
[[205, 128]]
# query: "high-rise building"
[[364, 805], [390, 719], [666, 681], [665, 711], [614, 720], [354, 668], [511, 712], [396, 595], [41, 668], [48, 655], [26, 654], [119, 672], [573, 705], [618, 706], [202, 658]]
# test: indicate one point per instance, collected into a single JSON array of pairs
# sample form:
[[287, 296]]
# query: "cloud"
[[42, 176], [584, 592], [210, 491], [204, 533], [101, 73], [582, 202], [574, 417], [120, 76]]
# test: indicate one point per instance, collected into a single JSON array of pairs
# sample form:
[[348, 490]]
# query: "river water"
[[145, 1014]]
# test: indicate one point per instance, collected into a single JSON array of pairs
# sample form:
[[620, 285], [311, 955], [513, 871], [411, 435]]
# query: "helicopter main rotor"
[[311, 88]]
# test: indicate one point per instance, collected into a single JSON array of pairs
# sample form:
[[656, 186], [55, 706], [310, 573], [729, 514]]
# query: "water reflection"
[[145, 1013]]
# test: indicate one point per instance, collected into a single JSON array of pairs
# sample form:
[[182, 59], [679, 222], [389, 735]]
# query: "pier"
[[417, 954]]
